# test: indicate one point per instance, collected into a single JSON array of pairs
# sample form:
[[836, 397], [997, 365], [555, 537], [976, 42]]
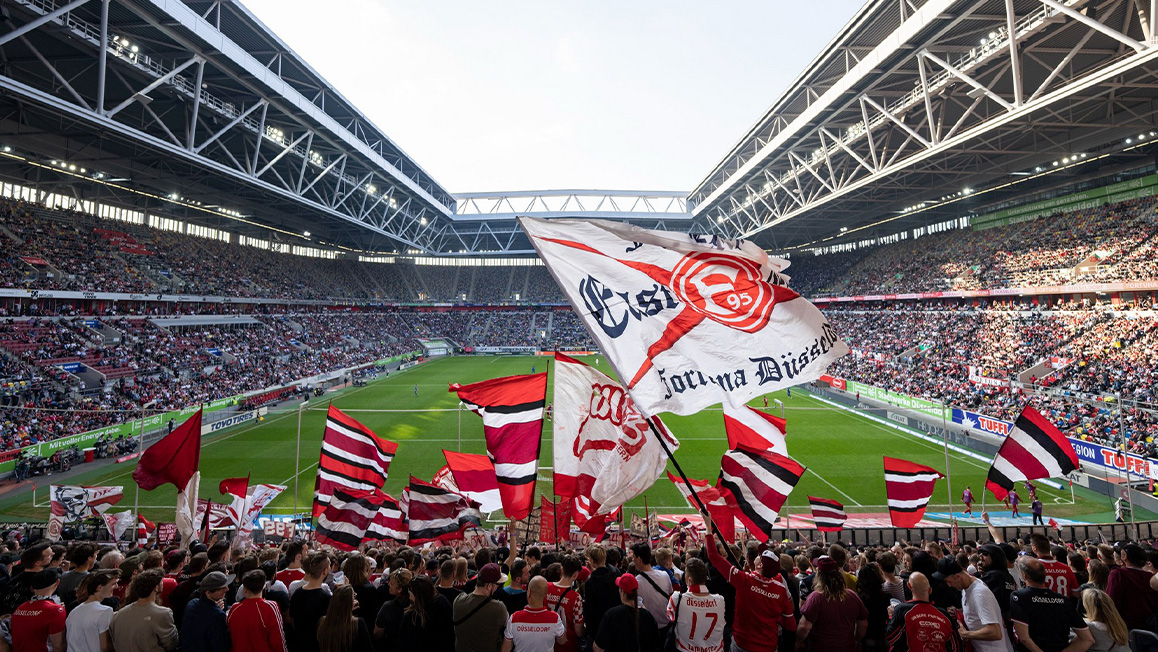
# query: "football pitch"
[[841, 450]]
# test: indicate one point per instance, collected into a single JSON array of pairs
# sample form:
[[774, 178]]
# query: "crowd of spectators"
[[685, 591]]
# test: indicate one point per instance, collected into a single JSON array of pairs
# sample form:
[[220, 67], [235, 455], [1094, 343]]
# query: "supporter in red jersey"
[[536, 628], [763, 603], [1059, 577], [174, 564], [294, 552], [41, 621], [563, 599], [255, 624], [919, 626]]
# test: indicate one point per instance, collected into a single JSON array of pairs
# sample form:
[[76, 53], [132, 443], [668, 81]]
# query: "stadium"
[[192, 217]]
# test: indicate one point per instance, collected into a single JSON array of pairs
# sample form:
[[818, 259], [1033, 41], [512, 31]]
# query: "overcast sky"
[[642, 95]]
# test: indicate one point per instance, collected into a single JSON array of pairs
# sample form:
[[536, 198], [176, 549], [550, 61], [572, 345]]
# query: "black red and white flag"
[[754, 428], [713, 500], [512, 412], [353, 459], [435, 514], [604, 448], [755, 484], [474, 477], [828, 514], [687, 321], [345, 520], [908, 486], [389, 523], [1034, 449]]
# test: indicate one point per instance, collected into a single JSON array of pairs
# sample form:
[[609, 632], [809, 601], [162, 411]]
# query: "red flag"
[[554, 517], [1053, 524], [172, 460], [755, 429], [475, 477], [717, 507], [234, 486], [512, 412], [908, 488]]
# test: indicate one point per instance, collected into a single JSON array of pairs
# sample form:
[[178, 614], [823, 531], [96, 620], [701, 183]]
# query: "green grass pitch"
[[841, 450]]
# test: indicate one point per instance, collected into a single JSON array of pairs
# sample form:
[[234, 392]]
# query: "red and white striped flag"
[[238, 489], [353, 459], [436, 514], [584, 511], [713, 500], [687, 321], [908, 486], [754, 428], [1034, 449], [512, 412], [474, 477], [755, 484], [343, 525], [389, 523], [828, 514]]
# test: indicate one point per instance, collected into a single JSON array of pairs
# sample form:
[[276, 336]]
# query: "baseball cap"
[[490, 574], [45, 578], [825, 564], [627, 583], [946, 567], [215, 580], [770, 555]]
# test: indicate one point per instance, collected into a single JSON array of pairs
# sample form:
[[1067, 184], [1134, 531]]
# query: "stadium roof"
[[916, 112]]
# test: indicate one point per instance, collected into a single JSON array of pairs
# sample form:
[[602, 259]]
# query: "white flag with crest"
[[686, 321]]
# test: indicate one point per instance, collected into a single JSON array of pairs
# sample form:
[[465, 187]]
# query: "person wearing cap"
[[626, 627], [1042, 618], [983, 626], [480, 620], [40, 622], [205, 627], [143, 625], [536, 628], [920, 626], [255, 623], [763, 602], [833, 618]]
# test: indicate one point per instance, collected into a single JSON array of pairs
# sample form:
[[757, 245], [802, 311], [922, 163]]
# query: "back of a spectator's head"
[[32, 555], [614, 556], [663, 556], [533, 554], [219, 551], [1106, 553], [571, 564], [597, 554], [446, 570], [554, 572], [316, 564], [145, 583], [110, 559], [482, 557], [887, 562], [1134, 555], [81, 553], [1031, 569], [198, 563], [175, 558], [642, 553], [152, 559], [292, 550], [254, 581], [1040, 544], [919, 585], [838, 554], [696, 572]]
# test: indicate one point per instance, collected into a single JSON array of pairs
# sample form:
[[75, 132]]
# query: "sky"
[[549, 95]]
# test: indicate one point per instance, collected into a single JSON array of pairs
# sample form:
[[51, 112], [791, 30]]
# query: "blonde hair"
[[1100, 608]]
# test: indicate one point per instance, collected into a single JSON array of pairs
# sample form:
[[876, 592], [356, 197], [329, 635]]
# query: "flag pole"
[[948, 473], [460, 426], [683, 476], [1126, 463], [647, 519], [140, 451], [297, 460]]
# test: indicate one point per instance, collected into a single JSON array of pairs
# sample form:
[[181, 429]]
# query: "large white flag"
[[604, 448], [259, 497], [686, 321], [72, 503]]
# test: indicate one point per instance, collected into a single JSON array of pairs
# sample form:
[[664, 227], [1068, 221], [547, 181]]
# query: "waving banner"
[[687, 321]]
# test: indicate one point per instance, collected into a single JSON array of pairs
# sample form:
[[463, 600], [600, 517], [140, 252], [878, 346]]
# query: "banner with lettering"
[[687, 321]]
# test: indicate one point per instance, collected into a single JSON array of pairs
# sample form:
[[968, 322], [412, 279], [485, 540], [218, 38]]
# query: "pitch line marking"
[[835, 487]]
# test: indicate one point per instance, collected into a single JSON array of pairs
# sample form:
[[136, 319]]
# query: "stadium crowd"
[[687, 594]]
